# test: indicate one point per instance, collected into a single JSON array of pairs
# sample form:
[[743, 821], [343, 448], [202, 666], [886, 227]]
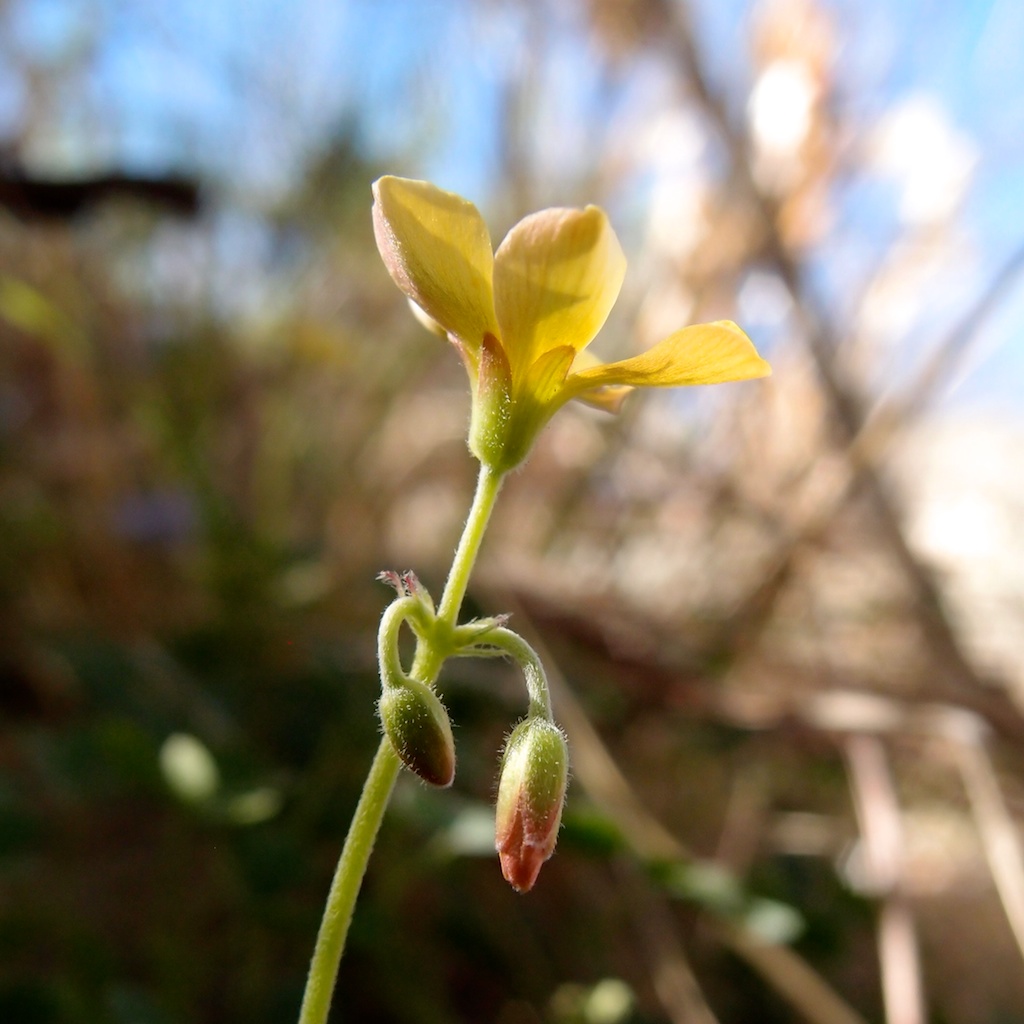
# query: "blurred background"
[[784, 619]]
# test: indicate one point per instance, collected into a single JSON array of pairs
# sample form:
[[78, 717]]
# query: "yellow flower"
[[521, 317]]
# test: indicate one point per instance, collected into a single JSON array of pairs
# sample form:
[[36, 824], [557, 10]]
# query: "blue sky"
[[245, 90]]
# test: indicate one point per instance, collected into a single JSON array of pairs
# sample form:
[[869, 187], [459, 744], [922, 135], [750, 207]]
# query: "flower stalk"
[[432, 649]]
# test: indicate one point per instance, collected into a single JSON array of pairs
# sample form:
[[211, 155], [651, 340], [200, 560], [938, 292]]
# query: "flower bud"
[[416, 722], [534, 774]]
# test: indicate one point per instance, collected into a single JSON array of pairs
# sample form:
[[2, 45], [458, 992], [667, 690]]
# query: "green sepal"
[[492, 410]]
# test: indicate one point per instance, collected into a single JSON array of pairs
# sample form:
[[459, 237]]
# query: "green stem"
[[536, 678], [369, 813], [488, 485], [348, 877]]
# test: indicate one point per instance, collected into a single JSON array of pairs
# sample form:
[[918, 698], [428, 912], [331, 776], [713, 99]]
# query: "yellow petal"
[[545, 378], [535, 401], [557, 275], [608, 398], [426, 319], [702, 354], [436, 247]]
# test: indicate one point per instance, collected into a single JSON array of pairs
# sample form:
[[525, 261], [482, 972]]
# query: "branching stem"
[[431, 651]]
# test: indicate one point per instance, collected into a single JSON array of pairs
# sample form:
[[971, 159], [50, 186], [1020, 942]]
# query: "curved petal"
[[703, 354], [557, 275], [545, 379], [535, 400], [609, 398], [436, 247]]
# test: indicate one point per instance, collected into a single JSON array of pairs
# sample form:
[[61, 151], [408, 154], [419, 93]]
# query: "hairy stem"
[[507, 642], [348, 877], [487, 487]]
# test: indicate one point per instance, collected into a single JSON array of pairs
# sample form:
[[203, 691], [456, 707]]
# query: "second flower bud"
[[531, 792]]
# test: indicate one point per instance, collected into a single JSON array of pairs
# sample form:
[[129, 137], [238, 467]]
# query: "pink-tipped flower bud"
[[417, 724], [534, 775]]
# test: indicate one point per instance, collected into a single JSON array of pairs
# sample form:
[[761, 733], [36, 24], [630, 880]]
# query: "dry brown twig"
[[882, 849], [998, 832], [952, 676]]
